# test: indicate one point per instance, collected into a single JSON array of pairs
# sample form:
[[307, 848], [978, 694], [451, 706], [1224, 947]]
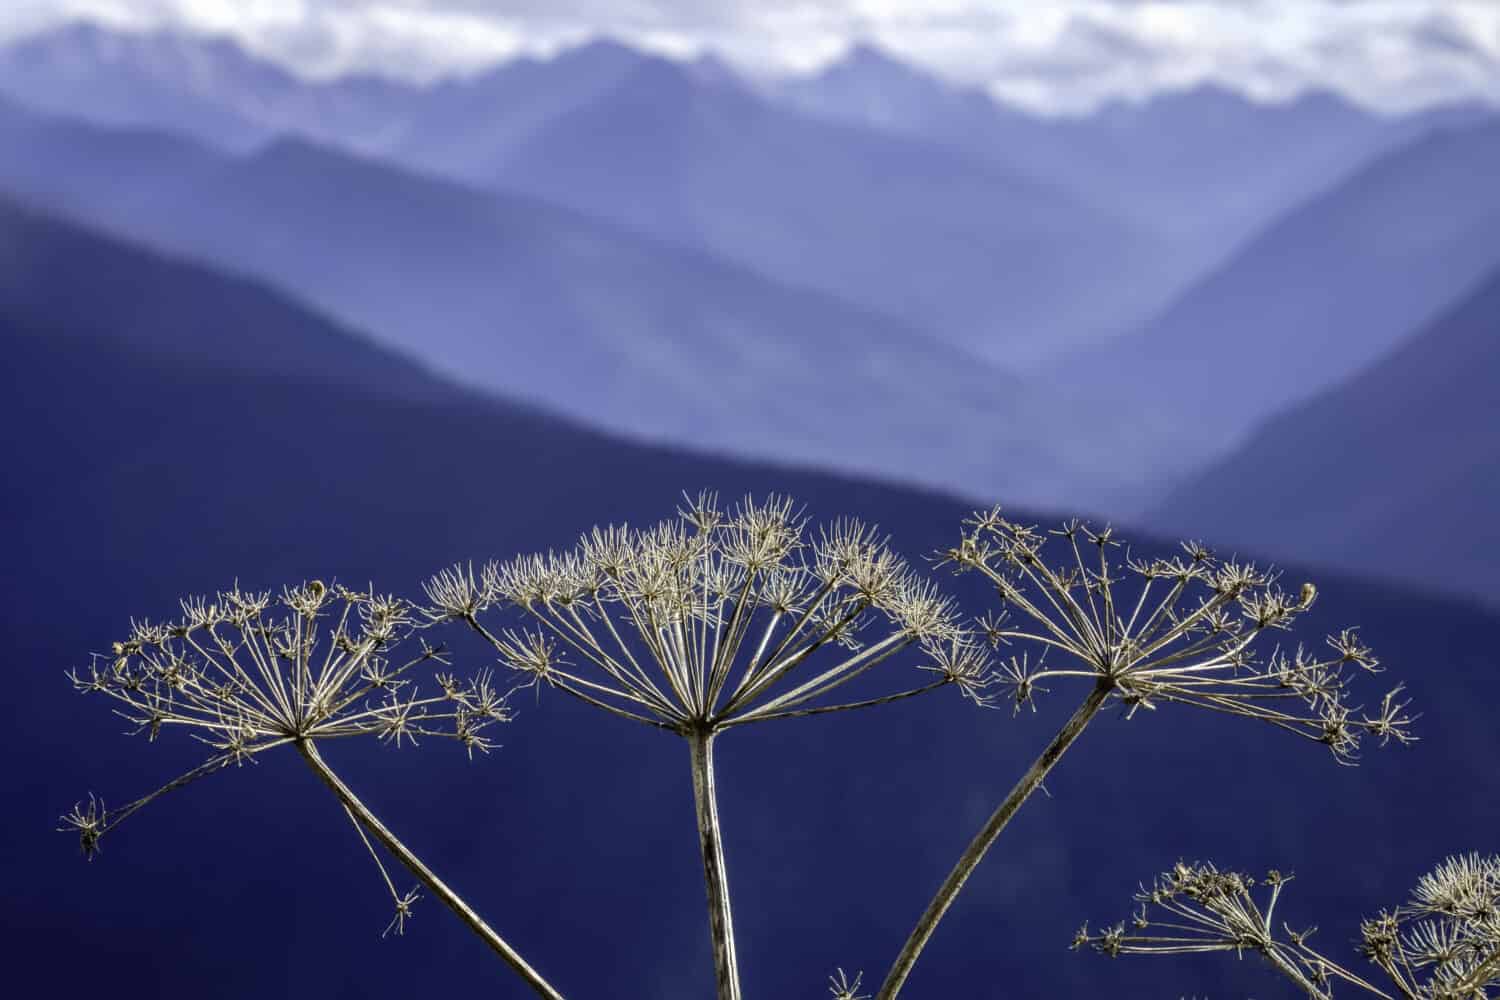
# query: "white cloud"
[[1052, 54]]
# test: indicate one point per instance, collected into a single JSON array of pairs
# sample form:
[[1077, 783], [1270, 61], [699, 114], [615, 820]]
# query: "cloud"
[[1051, 54]]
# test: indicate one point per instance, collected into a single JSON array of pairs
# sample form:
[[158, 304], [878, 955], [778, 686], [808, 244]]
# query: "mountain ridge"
[[246, 325], [1407, 441], [486, 129], [500, 292], [986, 257], [1188, 161], [1322, 291]]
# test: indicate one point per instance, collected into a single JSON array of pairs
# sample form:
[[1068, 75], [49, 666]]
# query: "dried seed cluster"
[[1178, 630], [713, 618], [244, 672], [1442, 944]]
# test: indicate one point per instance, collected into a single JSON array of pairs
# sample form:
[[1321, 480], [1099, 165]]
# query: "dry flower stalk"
[[1442, 944], [718, 618], [1143, 634], [715, 619], [245, 673]]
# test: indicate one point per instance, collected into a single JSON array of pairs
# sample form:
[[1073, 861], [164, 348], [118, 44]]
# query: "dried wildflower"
[[714, 619], [88, 823], [1443, 944], [841, 988], [707, 620], [245, 672], [403, 903], [1144, 633], [1166, 631], [403, 914]]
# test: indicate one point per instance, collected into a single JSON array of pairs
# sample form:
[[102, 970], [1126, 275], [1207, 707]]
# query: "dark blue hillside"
[[131, 483], [69, 282], [512, 295], [1394, 471], [1328, 288]]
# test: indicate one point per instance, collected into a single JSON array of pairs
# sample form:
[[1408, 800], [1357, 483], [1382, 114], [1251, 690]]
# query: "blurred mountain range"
[[1322, 292], [1205, 166], [988, 256], [867, 269], [1394, 472], [162, 456], [592, 320], [74, 286]]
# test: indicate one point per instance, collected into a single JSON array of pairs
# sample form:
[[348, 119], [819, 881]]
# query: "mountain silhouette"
[[980, 256], [983, 258], [1324, 291], [206, 87], [212, 89], [1394, 471], [467, 128], [1194, 165], [550, 307], [59, 274]]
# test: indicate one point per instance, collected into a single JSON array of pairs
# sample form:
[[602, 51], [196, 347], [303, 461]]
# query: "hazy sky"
[[1049, 54]]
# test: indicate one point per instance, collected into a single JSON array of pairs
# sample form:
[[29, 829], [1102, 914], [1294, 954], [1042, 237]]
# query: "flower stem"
[[980, 845], [425, 875], [1290, 970], [715, 876]]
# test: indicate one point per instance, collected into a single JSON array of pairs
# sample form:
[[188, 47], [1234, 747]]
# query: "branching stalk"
[[1289, 969], [985, 838], [425, 875]]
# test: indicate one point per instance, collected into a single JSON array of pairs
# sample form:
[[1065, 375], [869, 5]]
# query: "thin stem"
[[985, 838], [715, 875], [208, 767], [374, 854], [836, 676], [1289, 969], [1397, 979], [825, 709], [566, 688], [1482, 973], [425, 875]]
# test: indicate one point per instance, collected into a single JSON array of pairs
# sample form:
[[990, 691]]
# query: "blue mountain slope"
[[1135, 200], [466, 128], [1205, 166], [542, 304], [212, 89], [208, 88], [182, 314], [1395, 471], [1327, 289], [981, 257], [973, 253], [131, 484]]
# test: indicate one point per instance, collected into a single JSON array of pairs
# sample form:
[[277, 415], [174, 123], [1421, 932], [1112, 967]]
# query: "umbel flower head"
[[841, 987], [243, 672], [716, 617], [1445, 941], [1443, 944], [1181, 630]]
